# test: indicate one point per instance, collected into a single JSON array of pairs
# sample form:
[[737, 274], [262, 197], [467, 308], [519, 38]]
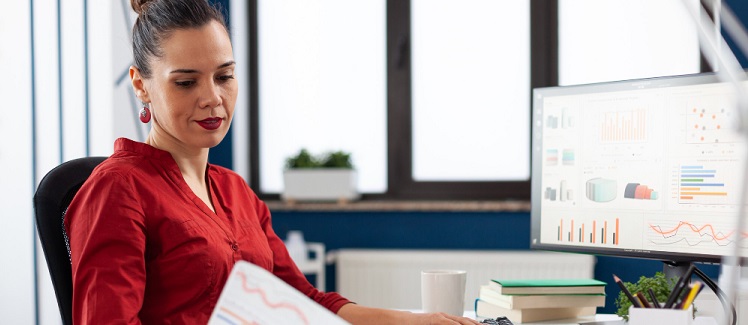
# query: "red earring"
[[145, 114]]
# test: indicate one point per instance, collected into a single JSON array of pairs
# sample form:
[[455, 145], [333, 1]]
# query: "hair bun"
[[140, 5]]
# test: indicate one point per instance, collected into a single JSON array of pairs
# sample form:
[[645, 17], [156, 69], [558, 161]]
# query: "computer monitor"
[[649, 168]]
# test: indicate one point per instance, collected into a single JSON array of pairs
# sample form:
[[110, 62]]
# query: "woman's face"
[[192, 90]]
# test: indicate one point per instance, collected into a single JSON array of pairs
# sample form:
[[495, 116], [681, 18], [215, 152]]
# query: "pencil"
[[643, 300], [634, 301], [679, 287], [695, 288], [655, 302]]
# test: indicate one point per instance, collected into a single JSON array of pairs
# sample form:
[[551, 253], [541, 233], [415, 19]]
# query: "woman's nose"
[[210, 96]]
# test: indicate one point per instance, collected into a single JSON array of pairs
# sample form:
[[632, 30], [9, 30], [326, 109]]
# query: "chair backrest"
[[51, 200]]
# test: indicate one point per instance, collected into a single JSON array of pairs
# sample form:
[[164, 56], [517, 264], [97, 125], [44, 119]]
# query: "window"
[[631, 39], [361, 76], [442, 88], [322, 78], [470, 95]]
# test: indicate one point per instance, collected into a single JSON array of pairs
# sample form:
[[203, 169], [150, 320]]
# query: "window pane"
[[471, 90], [322, 77], [625, 39]]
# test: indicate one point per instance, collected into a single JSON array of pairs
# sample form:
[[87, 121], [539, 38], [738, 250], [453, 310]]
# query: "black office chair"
[[51, 201]]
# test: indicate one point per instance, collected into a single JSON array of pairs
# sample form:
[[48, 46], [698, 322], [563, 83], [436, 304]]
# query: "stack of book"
[[525, 301]]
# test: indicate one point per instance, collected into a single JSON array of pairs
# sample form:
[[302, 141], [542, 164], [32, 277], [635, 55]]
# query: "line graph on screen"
[[688, 235]]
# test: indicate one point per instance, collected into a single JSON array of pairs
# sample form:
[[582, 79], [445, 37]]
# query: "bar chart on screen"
[[591, 231], [255, 296], [713, 183], [623, 126]]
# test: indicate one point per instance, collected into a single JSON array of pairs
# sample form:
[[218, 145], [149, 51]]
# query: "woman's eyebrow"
[[227, 64], [184, 71]]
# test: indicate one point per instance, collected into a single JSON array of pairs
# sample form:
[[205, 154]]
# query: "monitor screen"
[[648, 168]]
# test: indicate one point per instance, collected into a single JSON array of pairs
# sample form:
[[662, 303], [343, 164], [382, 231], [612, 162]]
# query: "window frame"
[[543, 38]]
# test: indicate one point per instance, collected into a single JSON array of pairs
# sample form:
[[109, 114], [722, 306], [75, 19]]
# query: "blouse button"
[[234, 247]]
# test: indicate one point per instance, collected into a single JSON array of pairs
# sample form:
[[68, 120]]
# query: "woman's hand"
[[439, 319], [360, 315]]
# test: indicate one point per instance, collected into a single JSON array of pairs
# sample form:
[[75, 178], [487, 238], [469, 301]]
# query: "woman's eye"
[[226, 77], [185, 84]]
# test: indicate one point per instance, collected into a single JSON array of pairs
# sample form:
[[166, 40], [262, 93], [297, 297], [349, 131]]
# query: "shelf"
[[371, 205]]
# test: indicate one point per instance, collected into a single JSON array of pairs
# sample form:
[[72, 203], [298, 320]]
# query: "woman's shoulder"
[[228, 178], [126, 168], [223, 172], [117, 165]]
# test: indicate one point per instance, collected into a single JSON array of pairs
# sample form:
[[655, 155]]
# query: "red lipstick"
[[211, 123]]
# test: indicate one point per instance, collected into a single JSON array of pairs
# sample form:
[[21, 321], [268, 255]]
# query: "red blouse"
[[145, 249]]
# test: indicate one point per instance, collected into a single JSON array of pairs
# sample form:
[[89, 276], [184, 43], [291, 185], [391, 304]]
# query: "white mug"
[[443, 291]]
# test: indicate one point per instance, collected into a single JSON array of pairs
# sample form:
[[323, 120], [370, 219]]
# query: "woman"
[[155, 230]]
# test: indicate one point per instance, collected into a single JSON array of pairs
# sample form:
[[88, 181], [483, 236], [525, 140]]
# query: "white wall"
[[16, 244]]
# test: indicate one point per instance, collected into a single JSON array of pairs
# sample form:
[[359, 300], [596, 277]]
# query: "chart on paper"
[[254, 296]]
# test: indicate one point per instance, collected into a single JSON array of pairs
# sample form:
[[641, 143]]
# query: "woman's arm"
[[360, 315], [283, 265], [107, 244]]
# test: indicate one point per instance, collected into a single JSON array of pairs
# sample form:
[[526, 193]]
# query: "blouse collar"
[[142, 149]]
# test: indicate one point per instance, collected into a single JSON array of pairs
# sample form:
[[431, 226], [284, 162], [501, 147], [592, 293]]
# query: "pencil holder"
[[659, 316]]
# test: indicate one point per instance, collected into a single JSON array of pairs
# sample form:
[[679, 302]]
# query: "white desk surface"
[[599, 319]]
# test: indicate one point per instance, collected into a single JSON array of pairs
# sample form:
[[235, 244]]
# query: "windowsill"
[[441, 206]]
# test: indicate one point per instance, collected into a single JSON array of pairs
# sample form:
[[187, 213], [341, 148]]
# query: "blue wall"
[[740, 8], [444, 230], [223, 154]]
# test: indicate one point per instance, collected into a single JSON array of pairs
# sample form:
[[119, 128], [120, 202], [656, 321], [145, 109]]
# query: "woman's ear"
[[138, 85]]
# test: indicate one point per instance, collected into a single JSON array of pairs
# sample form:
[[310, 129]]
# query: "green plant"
[[658, 283], [302, 160], [337, 159]]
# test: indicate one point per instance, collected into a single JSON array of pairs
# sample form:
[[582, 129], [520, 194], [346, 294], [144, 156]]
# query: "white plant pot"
[[320, 184]]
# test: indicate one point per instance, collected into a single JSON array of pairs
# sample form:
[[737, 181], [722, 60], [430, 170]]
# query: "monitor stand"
[[675, 270]]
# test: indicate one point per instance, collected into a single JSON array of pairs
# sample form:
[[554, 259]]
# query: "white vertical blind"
[[46, 63], [471, 90], [47, 91], [73, 77], [625, 39], [240, 124], [101, 77], [322, 85]]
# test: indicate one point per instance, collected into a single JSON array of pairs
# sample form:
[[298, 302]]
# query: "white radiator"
[[392, 278]]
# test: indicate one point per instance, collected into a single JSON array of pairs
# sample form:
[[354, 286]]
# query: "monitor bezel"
[[536, 161]]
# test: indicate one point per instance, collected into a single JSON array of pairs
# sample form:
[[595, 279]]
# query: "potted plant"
[[660, 285], [327, 178]]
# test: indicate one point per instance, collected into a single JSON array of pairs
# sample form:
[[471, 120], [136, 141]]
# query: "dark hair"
[[157, 19]]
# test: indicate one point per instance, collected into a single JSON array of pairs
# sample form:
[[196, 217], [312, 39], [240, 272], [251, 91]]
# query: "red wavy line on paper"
[[267, 302], [693, 228]]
